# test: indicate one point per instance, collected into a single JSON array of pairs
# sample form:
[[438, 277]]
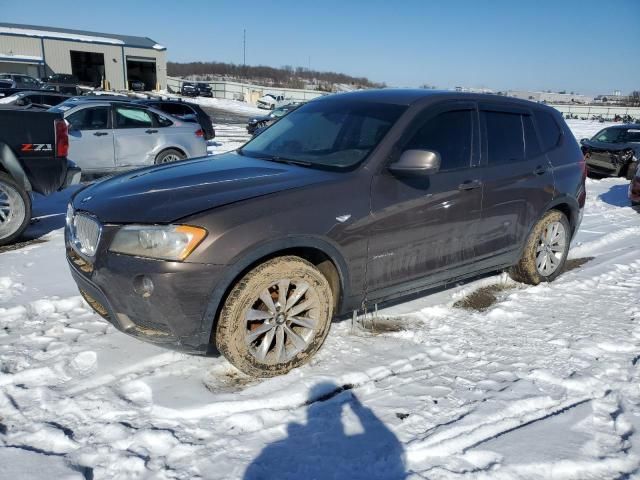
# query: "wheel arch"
[[325, 256], [173, 147], [10, 164]]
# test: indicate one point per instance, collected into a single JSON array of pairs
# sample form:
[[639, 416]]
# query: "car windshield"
[[278, 112], [330, 133], [609, 135]]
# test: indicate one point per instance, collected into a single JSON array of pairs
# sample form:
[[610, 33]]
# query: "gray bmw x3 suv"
[[348, 201]]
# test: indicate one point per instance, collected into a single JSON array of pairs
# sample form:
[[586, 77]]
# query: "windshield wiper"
[[290, 161]]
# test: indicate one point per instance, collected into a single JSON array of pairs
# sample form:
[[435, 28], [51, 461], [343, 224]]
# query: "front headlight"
[[165, 242]]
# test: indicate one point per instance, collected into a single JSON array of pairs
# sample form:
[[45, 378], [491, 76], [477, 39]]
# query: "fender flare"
[[253, 254], [11, 164]]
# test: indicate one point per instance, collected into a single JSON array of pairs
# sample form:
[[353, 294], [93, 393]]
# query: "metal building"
[[95, 58]]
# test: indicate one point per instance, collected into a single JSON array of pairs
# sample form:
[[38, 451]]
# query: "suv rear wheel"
[[546, 250], [169, 156], [15, 209], [275, 318]]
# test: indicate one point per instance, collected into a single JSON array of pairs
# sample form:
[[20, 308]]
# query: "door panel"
[[135, 137], [517, 178], [91, 139], [422, 225]]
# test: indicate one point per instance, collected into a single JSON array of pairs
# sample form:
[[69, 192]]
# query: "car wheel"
[[275, 318], [546, 250], [631, 170], [169, 156], [15, 209]]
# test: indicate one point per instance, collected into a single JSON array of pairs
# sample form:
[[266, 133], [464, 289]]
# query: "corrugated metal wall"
[[20, 46]]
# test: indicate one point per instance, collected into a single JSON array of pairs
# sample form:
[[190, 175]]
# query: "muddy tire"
[[631, 170], [15, 209], [264, 333], [169, 156], [545, 251]]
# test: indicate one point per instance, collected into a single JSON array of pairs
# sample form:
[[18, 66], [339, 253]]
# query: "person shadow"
[[325, 448]]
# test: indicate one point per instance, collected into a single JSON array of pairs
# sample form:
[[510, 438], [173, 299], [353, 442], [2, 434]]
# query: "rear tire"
[[15, 209], [545, 251], [169, 156], [275, 318]]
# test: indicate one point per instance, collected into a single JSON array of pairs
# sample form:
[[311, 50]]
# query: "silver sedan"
[[112, 136]]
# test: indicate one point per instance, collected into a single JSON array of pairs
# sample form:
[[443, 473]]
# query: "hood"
[[261, 118], [166, 193]]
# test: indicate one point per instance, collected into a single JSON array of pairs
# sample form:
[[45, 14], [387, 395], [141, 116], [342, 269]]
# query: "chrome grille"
[[85, 233]]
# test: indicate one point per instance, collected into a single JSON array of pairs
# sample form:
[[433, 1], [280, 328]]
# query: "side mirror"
[[582, 140], [416, 163]]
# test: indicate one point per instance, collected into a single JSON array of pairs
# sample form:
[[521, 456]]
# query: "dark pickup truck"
[[33, 158]]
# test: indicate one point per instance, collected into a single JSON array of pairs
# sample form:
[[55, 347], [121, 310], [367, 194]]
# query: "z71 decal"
[[36, 147]]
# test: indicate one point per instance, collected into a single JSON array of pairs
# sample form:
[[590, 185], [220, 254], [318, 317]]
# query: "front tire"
[[631, 170], [545, 251], [275, 318], [15, 209]]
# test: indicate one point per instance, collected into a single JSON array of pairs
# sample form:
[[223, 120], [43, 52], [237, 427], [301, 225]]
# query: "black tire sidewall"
[[631, 169], [26, 198]]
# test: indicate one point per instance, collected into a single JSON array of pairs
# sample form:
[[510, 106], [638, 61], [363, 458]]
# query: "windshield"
[[334, 133], [608, 135]]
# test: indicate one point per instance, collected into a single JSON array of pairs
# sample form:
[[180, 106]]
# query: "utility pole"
[[244, 47]]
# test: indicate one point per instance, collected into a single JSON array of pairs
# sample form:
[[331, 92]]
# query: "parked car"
[[350, 200], [270, 101], [62, 83], [204, 90], [256, 124], [33, 158], [189, 89], [21, 81], [38, 98], [137, 85], [613, 151], [112, 136]]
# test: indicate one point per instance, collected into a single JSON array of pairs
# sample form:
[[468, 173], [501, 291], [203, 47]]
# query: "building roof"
[[78, 35]]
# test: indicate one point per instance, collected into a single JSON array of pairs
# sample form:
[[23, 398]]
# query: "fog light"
[[143, 286]]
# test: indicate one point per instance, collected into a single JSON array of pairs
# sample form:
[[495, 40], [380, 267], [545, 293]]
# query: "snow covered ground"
[[487, 380]]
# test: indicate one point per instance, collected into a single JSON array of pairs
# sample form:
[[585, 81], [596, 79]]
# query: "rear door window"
[[532, 146], [133, 118], [550, 132], [450, 134], [505, 137]]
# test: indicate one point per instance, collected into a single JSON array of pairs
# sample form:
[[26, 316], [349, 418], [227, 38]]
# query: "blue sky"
[[586, 46]]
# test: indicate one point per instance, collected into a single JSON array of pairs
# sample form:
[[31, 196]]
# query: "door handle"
[[470, 185], [151, 131], [100, 134]]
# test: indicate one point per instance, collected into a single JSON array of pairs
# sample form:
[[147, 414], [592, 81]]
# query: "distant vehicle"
[[270, 101], [613, 151], [634, 188], [360, 197], [204, 90], [137, 85], [187, 112], [20, 81], [257, 124], [189, 90], [112, 136], [62, 83], [37, 98], [33, 158]]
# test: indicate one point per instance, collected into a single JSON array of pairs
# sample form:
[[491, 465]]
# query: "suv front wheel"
[[15, 209], [546, 250], [275, 318]]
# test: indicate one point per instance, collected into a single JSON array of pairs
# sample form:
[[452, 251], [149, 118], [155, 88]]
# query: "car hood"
[[261, 118], [610, 147], [167, 193]]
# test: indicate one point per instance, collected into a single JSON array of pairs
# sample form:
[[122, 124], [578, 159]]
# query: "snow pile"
[[543, 383]]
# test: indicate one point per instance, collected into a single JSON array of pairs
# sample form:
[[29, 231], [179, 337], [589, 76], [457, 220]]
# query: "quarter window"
[[132, 118], [505, 139], [450, 134], [532, 147], [549, 130]]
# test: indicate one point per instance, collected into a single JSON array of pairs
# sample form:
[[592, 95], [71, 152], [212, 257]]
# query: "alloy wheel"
[[12, 210], [551, 248]]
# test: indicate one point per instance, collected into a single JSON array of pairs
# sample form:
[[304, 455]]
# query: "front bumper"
[[172, 315]]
